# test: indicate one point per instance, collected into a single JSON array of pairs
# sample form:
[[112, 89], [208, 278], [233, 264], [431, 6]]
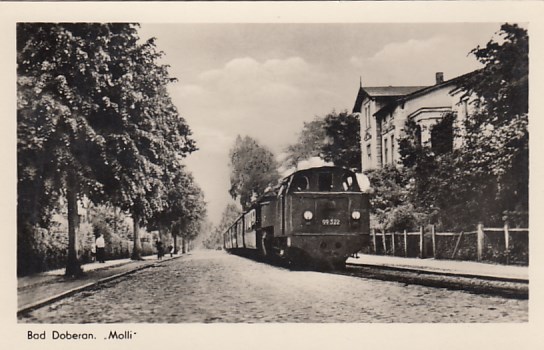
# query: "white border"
[[282, 336]]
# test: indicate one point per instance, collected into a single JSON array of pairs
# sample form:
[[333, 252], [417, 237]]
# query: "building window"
[[418, 135], [367, 116], [392, 148], [385, 151], [442, 135]]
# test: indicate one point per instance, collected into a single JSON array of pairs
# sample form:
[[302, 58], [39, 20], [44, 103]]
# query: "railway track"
[[504, 287]]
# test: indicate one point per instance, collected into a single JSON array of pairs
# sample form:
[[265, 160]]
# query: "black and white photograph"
[[285, 170]]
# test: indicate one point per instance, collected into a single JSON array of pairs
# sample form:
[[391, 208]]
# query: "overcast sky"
[[265, 80]]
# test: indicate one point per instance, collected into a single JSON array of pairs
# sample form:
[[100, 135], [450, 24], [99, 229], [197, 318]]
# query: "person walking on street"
[[160, 250], [100, 248]]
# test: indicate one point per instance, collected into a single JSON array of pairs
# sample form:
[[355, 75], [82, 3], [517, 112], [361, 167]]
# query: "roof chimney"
[[439, 77]]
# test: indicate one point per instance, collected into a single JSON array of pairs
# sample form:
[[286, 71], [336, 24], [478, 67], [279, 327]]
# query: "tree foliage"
[[183, 206], [390, 206], [343, 143], [94, 119], [334, 138], [253, 169], [497, 133], [187, 208], [310, 143]]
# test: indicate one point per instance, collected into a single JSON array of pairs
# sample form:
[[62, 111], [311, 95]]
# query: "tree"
[[253, 169], [497, 137], [60, 77], [437, 188], [186, 209], [178, 201], [334, 138], [309, 144], [343, 144], [389, 200]]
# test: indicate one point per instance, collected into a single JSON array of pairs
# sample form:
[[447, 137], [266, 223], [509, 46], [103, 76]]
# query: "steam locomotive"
[[315, 218]]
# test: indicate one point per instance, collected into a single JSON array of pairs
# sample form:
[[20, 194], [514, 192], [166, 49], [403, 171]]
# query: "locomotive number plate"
[[330, 222]]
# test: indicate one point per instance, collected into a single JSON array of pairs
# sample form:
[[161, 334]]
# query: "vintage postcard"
[[280, 174]]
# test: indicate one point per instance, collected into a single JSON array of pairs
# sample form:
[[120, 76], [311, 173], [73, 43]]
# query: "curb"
[[49, 300], [443, 273]]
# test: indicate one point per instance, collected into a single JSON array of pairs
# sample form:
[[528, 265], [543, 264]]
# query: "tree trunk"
[[73, 266], [137, 248], [183, 251], [175, 243], [115, 219], [161, 233]]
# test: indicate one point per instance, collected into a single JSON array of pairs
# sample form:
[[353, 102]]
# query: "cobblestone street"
[[212, 286]]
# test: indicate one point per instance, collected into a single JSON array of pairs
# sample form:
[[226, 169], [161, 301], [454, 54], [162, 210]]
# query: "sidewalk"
[[43, 288], [446, 267]]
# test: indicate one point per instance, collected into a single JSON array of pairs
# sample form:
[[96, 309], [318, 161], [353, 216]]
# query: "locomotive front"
[[325, 217]]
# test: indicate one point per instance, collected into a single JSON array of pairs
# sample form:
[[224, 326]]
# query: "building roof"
[[377, 91], [384, 92], [422, 91]]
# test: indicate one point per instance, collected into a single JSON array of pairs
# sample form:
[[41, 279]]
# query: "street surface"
[[213, 286]]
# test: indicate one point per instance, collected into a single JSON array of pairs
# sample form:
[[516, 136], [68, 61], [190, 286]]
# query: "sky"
[[266, 80]]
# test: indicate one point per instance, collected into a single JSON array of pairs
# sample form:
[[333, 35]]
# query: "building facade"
[[383, 112]]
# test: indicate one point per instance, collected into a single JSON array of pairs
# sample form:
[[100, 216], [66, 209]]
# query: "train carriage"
[[250, 229]]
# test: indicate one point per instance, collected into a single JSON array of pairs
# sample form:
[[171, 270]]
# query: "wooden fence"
[[504, 245]]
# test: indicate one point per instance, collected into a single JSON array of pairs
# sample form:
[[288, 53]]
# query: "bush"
[[404, 217], [40, 250], [519, 249]]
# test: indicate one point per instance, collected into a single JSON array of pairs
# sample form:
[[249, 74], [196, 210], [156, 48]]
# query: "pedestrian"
[[171, 250], [100, 245], [160, 251]]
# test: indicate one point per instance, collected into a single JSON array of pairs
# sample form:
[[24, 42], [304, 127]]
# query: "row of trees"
[[95, 120]]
